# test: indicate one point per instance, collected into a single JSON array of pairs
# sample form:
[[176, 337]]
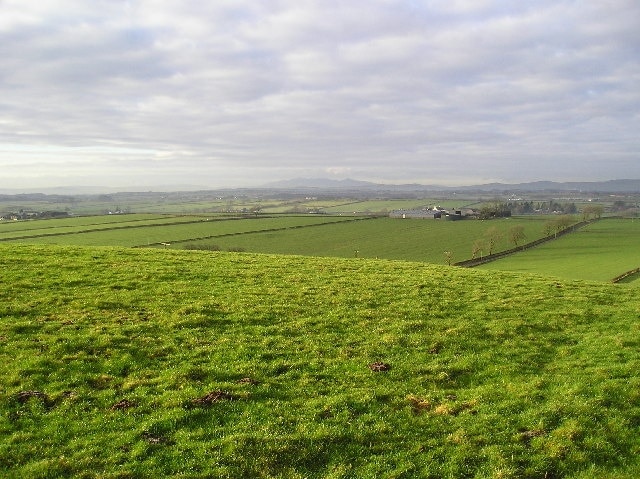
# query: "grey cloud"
[[383, 89]]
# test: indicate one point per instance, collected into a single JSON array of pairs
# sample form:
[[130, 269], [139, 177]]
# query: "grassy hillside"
[[130, 363]]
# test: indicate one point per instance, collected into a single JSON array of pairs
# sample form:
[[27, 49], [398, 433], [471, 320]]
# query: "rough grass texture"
[[122, 363]]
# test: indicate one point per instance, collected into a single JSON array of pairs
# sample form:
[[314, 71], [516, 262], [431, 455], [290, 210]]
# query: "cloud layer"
[[238, 92]]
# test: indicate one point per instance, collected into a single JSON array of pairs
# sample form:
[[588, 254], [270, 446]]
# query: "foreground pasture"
[[159, 363]]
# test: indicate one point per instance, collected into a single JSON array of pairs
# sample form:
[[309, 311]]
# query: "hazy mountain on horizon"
[[613, 186], [315, 184]]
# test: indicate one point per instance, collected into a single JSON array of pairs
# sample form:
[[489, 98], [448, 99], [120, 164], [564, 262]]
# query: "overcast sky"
[[242, 92]]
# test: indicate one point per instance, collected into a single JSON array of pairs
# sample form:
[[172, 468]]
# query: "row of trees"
[[592, 211], [493, 236], [515, 235]]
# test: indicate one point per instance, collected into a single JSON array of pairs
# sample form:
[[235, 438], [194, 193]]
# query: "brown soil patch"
[[122, 405], [526, 436], [419, 404], [155, 438], [379, 366], [24, 396]]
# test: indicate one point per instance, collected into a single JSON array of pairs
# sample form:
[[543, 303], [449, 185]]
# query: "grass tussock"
[[160, 363]]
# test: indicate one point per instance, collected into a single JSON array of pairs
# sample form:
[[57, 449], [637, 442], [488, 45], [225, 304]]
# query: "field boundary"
[[470, 263], [133, 226], [270, 230], [110, 228], [626, 275]]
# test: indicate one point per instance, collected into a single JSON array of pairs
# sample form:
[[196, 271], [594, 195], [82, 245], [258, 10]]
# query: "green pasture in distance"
[[89, 223], [389, 238], [73, 221], [148, 234], [600, 252], [205, 206], [123, 363]]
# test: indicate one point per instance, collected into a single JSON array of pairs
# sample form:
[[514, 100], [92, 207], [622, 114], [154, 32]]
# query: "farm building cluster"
[[435, 213]]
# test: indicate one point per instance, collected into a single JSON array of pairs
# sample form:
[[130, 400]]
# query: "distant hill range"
[[314, 186], [610, 186]]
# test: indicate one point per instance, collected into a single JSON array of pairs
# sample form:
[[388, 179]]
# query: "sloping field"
[[156, 363], [599, 252]]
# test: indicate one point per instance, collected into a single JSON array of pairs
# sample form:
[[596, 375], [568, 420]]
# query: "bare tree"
[[516, 234], [477, 248], [449, 257], [492, 236]]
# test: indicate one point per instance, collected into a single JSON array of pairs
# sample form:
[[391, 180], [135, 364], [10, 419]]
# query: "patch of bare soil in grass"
[[122, 405], [526, 436], [23, 396], [379, 366], [156, 438]]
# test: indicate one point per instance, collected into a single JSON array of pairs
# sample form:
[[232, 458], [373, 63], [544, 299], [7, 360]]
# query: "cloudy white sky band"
[[237, 93]]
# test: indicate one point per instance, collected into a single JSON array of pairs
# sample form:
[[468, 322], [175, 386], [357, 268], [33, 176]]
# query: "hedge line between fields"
[[94, 230], [470, 263], [240, 233], [625, 275]]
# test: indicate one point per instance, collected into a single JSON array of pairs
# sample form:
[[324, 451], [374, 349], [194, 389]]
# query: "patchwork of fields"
[[599, 252], [309, 235]]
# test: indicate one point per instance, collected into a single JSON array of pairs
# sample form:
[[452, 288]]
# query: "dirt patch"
[[419, 404], [24, 396], [526, 436], [379, 366], [122, 405], [156, 438], [214, 397]]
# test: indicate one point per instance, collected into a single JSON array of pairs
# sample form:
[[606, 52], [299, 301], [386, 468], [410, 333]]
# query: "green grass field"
[[127, 363], [313, 235], [599, 252], [389, 238], [142, 232]]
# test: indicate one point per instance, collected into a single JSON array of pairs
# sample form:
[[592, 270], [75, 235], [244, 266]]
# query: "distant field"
[[79, 225], [165, 230], [389, 238], [597, 252], [310, 235]]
